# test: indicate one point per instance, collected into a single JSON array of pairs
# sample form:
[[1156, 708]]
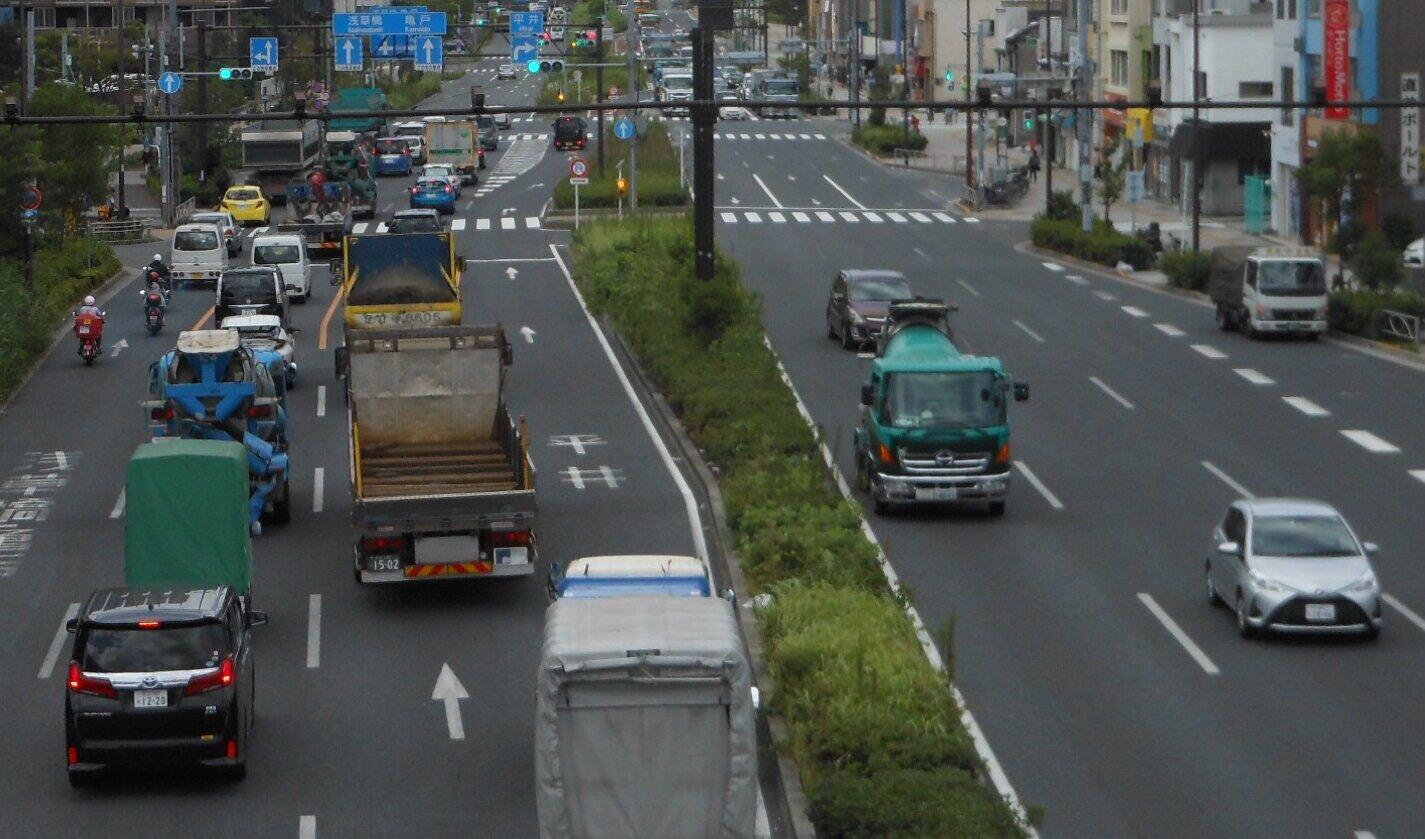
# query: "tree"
[[74, 161], [1111, 181], [1348, 172]]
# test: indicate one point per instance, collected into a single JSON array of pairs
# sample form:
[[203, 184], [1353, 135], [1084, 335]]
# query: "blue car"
[[433, 194], [393, 156]]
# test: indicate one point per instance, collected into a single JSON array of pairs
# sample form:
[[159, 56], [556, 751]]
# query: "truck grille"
[[944, 463], [1293, 314]]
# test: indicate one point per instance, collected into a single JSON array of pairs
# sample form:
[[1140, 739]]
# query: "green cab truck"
[[934, 421], [360, 99]]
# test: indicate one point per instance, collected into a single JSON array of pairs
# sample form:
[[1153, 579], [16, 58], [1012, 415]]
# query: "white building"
[[1287, 124]]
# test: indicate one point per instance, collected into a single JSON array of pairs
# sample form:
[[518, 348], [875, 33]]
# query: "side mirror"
[[730, 596], [1021, 391], [71, 625], [1371, 548], [257, 619], [756, 699], [1229, 548], [867, 394]]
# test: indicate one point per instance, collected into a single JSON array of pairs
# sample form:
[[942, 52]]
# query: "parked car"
[[247, 204], [415, 221], [288, 253], [393, 156], [506, 71], [445, 172], [434, 193], [858, 302], [570, 133], [232, 233], [1414, 255], [1293, 566]]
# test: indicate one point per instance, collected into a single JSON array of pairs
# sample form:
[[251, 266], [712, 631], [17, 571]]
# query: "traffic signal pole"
[[704, 117], [599, 82]]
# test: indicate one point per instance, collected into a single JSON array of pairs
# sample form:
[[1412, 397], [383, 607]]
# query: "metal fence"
[[1400, 325], [127, 230], [184, 211]]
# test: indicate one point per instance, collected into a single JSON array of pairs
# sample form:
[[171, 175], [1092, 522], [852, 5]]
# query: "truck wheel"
[[997, 508], [863, 474], [1224, 320], [848, 342], [282, 504]]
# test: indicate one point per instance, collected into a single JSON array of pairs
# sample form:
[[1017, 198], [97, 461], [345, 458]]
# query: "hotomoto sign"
[[1338, 56]]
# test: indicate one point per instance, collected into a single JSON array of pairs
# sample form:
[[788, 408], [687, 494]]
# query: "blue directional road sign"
[[389, 23], [393, 46], [524, 48], [262, 53], [170, 83], [623, 129], [349, 54], [526, 23], [430, 53]]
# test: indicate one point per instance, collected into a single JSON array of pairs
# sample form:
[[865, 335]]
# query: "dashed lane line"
[[1369, 441], [1112, 394], [1254, 376], [1178, 634], [1027, 331], [966, 286], [1169, 330], [1209, 351], [1227, 479], [1306, 406], [1039, 485]]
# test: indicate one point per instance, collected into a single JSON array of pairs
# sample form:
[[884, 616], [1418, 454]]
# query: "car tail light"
[[260, 411], [81, 682], [161, 414], [415, 190], [1002, 456], [232, 750], [150, 624], [71, 755], [448, 188], [509, 539], [219, 678], [382, 544]]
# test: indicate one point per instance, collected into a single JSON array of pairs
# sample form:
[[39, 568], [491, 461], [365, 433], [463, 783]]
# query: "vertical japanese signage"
[[1410, 129], [1338, 56]]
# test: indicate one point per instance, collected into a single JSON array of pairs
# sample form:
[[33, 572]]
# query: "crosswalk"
[[458, 224], [756, 136], [843, 217]]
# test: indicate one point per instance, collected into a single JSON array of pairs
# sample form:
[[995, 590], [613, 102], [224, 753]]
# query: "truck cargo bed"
[[436, 468]]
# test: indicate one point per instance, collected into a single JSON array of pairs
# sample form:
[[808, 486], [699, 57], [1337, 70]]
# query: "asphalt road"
[[1144, 423], [348, 740]]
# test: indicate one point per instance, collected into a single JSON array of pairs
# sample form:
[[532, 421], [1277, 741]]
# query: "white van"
[[288, 252], [198, 254]]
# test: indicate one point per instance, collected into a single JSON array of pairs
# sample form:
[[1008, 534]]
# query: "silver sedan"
[[1288, 565]]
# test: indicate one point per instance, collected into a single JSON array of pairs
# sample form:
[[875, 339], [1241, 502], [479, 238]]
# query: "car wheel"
[[997, 508], [848, 342], [1213, 599], [1244, 628], [1372, 633], [282, 505], [1224, 320]]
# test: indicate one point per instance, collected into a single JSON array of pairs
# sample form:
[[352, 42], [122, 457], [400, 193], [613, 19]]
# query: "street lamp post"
[[1196, 127]]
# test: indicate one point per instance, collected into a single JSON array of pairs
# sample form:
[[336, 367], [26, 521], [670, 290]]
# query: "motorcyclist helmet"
[[157, 258], [89, 300]]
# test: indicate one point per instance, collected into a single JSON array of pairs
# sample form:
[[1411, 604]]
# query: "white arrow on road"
[[528, 334], [119, 347], [449, 690], [512, 272]]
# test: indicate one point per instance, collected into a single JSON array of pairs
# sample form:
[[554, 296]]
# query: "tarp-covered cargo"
[[185, 514], [645, 723], [1225, 283]]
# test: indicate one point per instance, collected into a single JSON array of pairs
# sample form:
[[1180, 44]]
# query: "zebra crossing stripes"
[[459, 224], [826, 217], [731, 135]]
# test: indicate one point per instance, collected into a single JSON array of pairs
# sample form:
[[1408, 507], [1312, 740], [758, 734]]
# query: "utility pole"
[[856, 77], [704, 118], [27, 84], [599, 83], [904, 49], [969, 115], [1197, 133], [1046, 118], [1085, 119], [637, 94], [202, 61], [122, 107]]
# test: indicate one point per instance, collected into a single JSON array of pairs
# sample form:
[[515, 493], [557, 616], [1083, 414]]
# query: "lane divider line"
[[1177, 632], [1369, 441], [1306, 406], [56, 645], [1134, 311], [966, 286], [319, 480], [321, 400], [118, 510], [1076, 279], [327, 318], [1227, 479], [1404, 610], [1112, 394], [307, 827], [204, 319], [1254, 376], [836, 186], [1169, 330], [314, 631], [1027, 331], [1209, 351], [1039, 485]]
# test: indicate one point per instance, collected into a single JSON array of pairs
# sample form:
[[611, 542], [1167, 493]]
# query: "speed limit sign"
[[578, 168]]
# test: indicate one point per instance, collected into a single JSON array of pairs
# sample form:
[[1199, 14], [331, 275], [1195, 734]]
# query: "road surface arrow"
[[512, 272], [449, 690], [528, 334], [119, 347]]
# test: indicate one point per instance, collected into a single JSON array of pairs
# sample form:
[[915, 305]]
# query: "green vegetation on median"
[[1104, 244], [1358, 312], [885, 139], [62, 278], [1187, 269], [657, 173], [411, 90], [872, 725]]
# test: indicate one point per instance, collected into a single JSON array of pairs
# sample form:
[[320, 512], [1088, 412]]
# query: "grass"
[[872, 725], [657, 173]]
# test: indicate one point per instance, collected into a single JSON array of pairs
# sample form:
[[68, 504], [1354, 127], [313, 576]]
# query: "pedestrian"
[[1034, 165], [915, 124]]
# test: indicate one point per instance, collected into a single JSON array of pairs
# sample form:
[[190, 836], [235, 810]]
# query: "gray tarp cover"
[[664, 748]]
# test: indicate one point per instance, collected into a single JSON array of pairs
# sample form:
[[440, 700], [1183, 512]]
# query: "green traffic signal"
[[225, 73]]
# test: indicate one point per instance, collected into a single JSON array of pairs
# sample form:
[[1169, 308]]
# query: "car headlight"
[[1261, 310], [1267, 583], [1366, 582]]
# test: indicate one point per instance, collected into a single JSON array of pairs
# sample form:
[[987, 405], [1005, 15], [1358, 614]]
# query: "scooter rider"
[[91, 318], [165, 276], [89, 307]]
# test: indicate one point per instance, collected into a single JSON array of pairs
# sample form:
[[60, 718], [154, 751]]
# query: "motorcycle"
[[156, 273], [153, 304], [89, 328]]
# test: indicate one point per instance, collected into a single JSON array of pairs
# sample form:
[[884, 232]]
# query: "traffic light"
[[477, 100], [535, 64], [622, 185], [546, 65], [233, 74], [560, 97], [1028, 120], [949, 75]]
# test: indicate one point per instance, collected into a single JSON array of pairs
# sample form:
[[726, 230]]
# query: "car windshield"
[[275, 254], [944, 400], [154, 650], [432, 184], [485, 121], [195, 240], [424, 224], [1291, 279], [438, 172], [1302, 536], [391, 146], [677, 82], [879, 288], [413, 132], [243, 195], [780, 87], [248, 287]]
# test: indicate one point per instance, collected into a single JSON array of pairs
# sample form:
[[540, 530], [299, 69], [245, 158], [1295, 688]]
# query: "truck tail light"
[[509, 539], [220, 678], [382, 545], [161, 414], [415, 190], [260, 411], [81, 682], [1002, 456]]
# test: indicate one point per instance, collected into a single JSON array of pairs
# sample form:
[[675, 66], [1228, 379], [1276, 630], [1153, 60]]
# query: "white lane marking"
[[482, 224], [1227, 479], [314, 631], [817, 136], [1364, 834], [507, 223], [1134, 311], [1253, 376], [1209, 351], [763, 184], [1039, 485], [307, 827], [56, 645], [1418, 474], [777, 218], [823, 215], [1112, 394], [1306, 406], [321, 400], [457, 224], [1027, 331], [690, 503], [118, 505], [971, 220], [753, 218], [1369, 441], [531, 222], [1169, 330], [358, 228], [834, 185], [872, 217], [946, 218], [1105, 296], [730, 218], [1053, 266], [920, 217], [846, 216], [319, 480], [1076, 279], [1404, 610], [922, 254], [759, 137], [801, 217], [381, 228], [896, 217], [966, 286], [1177, 632]]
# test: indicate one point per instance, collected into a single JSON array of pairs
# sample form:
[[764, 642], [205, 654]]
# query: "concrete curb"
[[720, 541]]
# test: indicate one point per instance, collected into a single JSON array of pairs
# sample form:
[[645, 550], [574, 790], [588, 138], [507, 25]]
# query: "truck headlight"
[[1261, 310]]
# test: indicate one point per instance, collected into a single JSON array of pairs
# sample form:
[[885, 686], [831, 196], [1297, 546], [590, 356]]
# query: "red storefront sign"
[[1337, 64]]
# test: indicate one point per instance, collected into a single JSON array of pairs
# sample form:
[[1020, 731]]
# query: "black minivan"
[[257, 290], [570, 133], [160, 676]]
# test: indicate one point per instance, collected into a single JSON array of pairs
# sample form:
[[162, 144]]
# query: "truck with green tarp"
[[359, 99], [185, 515]]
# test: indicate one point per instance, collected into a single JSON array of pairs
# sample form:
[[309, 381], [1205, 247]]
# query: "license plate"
[[386, 563], [83, 330], [937, 494], [150, 699], [1321, 612], [1300, 327]]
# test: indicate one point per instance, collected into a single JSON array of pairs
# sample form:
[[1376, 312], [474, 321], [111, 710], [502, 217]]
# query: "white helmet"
[[89, 300], [157, 258]]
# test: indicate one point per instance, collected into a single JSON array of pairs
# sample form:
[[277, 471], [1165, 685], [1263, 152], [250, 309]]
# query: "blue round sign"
[[623, 129], [170, 83]]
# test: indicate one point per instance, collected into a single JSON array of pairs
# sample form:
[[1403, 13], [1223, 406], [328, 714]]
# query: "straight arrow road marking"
[[314, 631], [528, 334], [57, 643], [512, 272], [1177, 632], [449, 691], [119, 347]]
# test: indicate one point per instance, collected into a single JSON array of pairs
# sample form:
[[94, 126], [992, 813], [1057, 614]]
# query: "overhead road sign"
[[392, 46], [170, 82], [262, 53], [430, 53], [389, 23], [524, 49], [526, 23], [349, 55]]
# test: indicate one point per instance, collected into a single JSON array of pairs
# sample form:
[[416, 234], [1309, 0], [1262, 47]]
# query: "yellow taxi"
[[247, 204]]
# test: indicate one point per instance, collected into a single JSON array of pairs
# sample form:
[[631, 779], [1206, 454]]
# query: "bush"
[[884, 139], [658, 184], [872, 726], [1376, 264], [1358, 312], [1103, 245], [1188, 270], [1063, 207]]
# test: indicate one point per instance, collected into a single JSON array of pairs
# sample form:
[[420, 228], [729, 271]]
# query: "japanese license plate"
[[385, 563], [151, 698], [1321, 612], [936, 494]]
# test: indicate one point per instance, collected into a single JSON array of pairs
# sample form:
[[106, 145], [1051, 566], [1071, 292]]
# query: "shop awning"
[[1222, 140]]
